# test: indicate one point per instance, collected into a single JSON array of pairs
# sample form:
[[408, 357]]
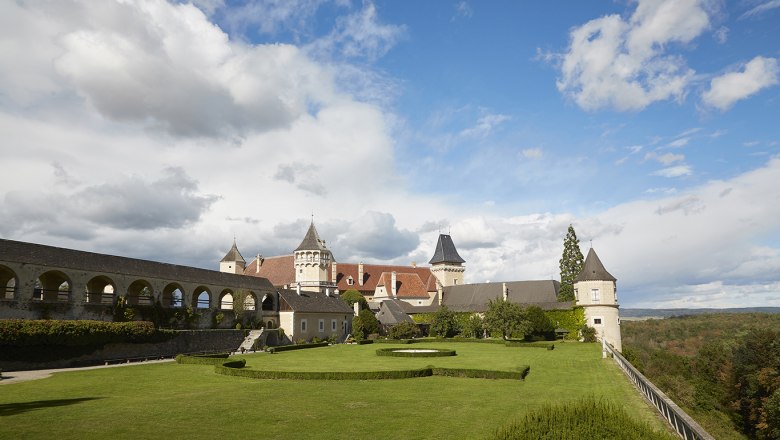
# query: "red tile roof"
[[372, 273], [278, 270], [408, 285]]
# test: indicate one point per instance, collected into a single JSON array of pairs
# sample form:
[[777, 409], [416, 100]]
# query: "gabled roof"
[[312, 241], [593, 269], [314, 302], [408, 285], [445, 251], [372, 275], [391, 312], [233, 254], [475, 297], [278, 270]]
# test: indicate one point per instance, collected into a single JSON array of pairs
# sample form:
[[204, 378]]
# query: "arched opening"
[[202, 298], [140, 293], [100, 290], [173, 295], [8, 283], [269, 325], [52, 286], [268, 303], [226, 300], [250, 302]]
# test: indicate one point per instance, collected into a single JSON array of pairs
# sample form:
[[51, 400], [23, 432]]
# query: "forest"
[[722, 369]]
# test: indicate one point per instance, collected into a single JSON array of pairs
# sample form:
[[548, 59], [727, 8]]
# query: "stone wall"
[[185, 341]]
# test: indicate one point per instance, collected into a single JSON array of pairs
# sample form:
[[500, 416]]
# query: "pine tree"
[[571, 264]]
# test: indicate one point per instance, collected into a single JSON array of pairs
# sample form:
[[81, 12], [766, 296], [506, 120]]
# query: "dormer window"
[[350, 281]]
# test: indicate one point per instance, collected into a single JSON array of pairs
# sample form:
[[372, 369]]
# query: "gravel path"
[[10, 377]]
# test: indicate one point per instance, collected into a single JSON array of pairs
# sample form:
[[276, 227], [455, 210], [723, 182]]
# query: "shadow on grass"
[[10, 409]]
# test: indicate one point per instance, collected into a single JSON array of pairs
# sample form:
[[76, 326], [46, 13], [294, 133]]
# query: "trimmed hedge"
[[509, 343], [365, 341], [203, 359], [392, 352], [27, 333], [282, 348], [547, 345], [483, 374], [397, 341]]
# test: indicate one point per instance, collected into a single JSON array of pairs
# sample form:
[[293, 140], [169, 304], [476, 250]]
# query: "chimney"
[[360, 273], [414, 264], [356, 307], [327, 291], [505, 291], [298, 288], [259, 263], [334, 273], [393, 283]]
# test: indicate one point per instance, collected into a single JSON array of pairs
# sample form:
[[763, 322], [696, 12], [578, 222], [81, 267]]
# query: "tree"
[[540, 323], [571, 265], [403, 330], [364, 324], [473, 327], [351, 296], [506, 318], [444, 324]]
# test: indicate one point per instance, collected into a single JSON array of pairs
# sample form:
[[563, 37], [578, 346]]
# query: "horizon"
[[161, 130]]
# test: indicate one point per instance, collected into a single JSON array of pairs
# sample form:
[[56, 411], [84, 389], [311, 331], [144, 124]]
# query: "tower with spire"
[[595, 290], [446, 265], [312, 260], [233, 262]]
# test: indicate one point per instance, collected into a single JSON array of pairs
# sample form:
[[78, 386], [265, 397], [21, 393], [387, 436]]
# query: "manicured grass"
[[190, 401]]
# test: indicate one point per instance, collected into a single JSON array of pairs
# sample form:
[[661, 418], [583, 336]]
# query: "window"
[[595, 295], [576, 295], [350, 281], [322, 325], [303, 325], [455, 281], [333, 325], [300, 270], [419, 303], [596, 321]]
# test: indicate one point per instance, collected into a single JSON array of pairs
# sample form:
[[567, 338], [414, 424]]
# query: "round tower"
[[446, 264], [312, 259], [233, 262], [595, 290]]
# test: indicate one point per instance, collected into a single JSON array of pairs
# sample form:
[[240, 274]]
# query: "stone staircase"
[[249, 341]]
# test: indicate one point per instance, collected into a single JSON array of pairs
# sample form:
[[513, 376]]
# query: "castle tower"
[[446, 264], [595, 290], [233, 262], [312, 260]]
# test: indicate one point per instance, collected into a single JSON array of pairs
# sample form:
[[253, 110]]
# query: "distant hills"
[[666, 313]]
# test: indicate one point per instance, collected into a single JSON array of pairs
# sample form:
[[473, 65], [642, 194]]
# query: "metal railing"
[[683, 424]]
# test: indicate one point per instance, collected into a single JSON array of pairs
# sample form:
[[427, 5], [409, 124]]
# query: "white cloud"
[[623, 64], [721, 35], [677, 143], [484, 126], [463, 10], [665, 159], [762, 8], [532, 153], [675, 171], [725, 90]]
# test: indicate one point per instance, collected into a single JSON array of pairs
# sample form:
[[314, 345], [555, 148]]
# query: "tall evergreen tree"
[[571, 264]]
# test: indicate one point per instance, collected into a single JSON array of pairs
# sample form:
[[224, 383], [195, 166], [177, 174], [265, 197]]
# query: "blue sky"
[[161, 130]]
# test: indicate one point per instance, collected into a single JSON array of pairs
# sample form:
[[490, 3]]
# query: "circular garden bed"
[[415, 352]]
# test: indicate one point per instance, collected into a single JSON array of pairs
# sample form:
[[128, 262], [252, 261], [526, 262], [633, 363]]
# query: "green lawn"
[[190, 401]]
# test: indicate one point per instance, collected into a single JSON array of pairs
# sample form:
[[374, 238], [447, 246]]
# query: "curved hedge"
[[282, 348], [323, 375], [483, 374], [439, 352], [27, 333]]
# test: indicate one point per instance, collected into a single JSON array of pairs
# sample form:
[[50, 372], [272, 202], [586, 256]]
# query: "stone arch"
[[100, 290], [8, 283], [173, 295], [269, 325], [201, 298], [53, 285], [226, 300], [250, 301], [140, 292], [268, 303]]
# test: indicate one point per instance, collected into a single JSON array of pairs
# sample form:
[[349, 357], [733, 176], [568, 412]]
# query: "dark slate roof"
[[314, 302], [390, 313], [593, 270], [43, 255], [233, 254], [475, 297], [312, 241], [445, 251]]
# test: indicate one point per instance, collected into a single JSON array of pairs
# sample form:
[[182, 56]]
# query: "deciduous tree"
[[444, 324], [506, 318]]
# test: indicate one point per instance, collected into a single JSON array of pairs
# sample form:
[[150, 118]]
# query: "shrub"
[[444, 323], [26, 333], [365, 341], [483, 374], [547, 345], [364, 324], [588, 334], [403, 330], [282, 348], [579, 420]]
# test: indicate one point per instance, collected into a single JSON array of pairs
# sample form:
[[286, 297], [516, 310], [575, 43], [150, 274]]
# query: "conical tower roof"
[[233, 254], [593, 269], [312, 241], [445, 251]]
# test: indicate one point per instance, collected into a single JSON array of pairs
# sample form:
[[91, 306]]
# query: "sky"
[[162, 130]]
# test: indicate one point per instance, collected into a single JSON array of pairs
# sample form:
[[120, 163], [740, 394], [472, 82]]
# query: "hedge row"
[[206, 359], [392, 352], [282, 348], [397, 341], [547, 345], [365, 341], [229, 370], [482, 374], [26, 333], [510, 343]]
